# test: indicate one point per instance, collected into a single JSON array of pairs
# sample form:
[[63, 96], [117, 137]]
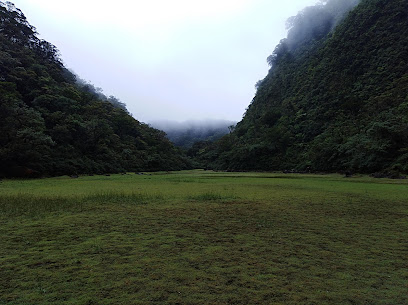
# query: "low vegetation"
[[201, 237]]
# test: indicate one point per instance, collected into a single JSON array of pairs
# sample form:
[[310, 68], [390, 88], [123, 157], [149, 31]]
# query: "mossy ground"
[[199, 237]]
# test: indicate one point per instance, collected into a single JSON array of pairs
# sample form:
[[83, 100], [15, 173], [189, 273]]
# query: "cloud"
[[139, 14], [167, 59]]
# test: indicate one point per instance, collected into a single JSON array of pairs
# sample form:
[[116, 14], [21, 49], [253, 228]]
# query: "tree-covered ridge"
[[54, 124], [339, 102]]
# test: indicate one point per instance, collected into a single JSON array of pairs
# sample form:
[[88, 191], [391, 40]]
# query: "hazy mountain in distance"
[[185, 134]]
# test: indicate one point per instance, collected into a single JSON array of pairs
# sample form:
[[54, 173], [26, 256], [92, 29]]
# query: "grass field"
[[200, 237]]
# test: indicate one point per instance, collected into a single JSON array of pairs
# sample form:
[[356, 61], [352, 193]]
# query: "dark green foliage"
[[55, 125], [338, 102]]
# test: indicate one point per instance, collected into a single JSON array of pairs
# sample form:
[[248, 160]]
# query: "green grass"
[[200, 237]]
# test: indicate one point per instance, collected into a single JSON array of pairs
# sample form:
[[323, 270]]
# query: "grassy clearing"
[[204, 238]]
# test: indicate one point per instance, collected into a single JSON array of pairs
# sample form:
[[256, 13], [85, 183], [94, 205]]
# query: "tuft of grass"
[[35, 205], [30, 205], [122, 197], [212, 196]]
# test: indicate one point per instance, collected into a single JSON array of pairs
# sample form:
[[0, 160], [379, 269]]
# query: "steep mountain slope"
[[336, 101], [53, 124]]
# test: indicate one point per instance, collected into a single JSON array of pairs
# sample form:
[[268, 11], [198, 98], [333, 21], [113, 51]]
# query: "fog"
[[316, 21], [168, 125], [176, 60], [311, 23], [185, 133]]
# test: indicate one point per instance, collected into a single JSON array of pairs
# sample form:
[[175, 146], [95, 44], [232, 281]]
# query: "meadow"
[[203, 237]]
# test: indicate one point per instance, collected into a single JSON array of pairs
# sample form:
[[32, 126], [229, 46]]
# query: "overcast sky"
[[173, 60]]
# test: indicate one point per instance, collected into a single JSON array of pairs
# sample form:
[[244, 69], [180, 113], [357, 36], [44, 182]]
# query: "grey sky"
[[176, 60]]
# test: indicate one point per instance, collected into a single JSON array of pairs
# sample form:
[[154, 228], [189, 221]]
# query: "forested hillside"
[[51, 123], [335, 98]]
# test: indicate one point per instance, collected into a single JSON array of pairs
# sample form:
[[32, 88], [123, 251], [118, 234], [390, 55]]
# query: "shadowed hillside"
[[52, 123]]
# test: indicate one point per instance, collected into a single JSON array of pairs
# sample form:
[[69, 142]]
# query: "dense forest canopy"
[[53, 123], [335, 98]]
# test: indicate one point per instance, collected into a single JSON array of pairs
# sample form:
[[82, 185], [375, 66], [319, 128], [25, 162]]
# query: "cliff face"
[[338, 101]]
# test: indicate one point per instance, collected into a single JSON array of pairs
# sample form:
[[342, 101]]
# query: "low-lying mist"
[[311, 23], [185, 134]]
